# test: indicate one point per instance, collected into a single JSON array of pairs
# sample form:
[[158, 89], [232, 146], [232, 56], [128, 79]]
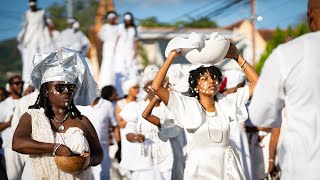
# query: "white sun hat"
[[198, 50]]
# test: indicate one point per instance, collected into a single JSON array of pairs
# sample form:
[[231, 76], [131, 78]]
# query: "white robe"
[[290, 77], [151, 158], [208, 134], [108, 34], [101, 115], [35, 39], [125, 65], [77, 40]]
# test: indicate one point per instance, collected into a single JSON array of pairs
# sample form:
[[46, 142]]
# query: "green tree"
[[280, 37]]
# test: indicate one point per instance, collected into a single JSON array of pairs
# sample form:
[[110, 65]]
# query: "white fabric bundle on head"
[[68, 66], [198, 50], [129, 84], [234, 77], [149, 73]]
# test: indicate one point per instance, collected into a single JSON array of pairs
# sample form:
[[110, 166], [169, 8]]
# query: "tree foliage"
[[280, 37]]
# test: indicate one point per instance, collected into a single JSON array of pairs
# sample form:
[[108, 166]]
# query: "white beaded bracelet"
[[56, 148]]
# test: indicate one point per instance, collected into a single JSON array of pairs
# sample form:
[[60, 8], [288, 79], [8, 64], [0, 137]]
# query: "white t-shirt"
[[100, 116]]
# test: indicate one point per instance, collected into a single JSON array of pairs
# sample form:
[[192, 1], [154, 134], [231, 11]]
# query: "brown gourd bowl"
[[72, 164]]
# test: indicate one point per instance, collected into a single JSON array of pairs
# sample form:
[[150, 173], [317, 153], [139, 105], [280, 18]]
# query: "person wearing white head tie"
[[74, 38], [125, 62], [108, 34], [148, 157], [206, 114], [34, 37], [53, 125], [169, 128]]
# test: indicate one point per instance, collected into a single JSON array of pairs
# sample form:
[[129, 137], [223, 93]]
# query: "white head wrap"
[[69, 66], [111, 15], [198, 50], [149, 73], [127, 17], [76, 25], [32, 3], [175, 73], [129, 84], [71, 20], [234, 77]]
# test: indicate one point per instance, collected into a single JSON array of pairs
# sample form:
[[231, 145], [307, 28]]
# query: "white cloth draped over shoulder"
[[208, 134], [44, 166]]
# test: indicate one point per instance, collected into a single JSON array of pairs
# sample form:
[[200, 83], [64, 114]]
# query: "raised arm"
[[157, 86], [251, 74], [147, 112]]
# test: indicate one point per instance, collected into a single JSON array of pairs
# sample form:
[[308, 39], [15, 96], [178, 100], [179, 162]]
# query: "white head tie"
[[68, 66], [129, 84], [32, 3], [149, 73], [198, 50], [111, 15], [127, 17]]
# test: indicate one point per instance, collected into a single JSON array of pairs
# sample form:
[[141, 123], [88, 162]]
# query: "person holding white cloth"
[[206, 115]]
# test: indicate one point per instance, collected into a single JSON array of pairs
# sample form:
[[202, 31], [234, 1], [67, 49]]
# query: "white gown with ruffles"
[[44, 166], [209, 155]]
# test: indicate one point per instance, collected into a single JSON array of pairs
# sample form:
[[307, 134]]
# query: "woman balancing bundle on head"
[[53, 125], [206, 115]]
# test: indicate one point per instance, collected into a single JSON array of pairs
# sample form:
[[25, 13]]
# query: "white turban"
[[129, 84], [234, 77], [69, 66], [175, 74], [149, 73]]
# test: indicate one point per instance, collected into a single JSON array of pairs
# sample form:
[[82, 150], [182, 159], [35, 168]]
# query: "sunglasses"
[[61, 87], [17, 83]]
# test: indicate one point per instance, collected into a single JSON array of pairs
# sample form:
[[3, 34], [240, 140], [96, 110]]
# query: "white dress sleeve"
[[187, 110], [268, 97]]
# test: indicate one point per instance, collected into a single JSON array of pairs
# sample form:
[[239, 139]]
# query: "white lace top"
[[44, 166]]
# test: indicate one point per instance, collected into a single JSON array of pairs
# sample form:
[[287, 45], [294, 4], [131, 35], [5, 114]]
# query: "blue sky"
[[275, 13]]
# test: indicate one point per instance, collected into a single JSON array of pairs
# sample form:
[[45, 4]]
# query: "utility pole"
[[69, 8], [253, 31]]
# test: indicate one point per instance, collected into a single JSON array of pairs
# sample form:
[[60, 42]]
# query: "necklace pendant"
[[61, 127]]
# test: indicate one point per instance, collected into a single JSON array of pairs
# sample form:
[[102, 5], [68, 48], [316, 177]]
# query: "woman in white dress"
[[108, 34], [34, 38], [206, 116], [125, 65], [53, 125], [146, 156]]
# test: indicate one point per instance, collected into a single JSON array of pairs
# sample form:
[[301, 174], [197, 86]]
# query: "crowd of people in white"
[[177, 121]]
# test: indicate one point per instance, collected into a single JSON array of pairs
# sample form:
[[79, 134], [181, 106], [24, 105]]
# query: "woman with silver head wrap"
[[53, 125]]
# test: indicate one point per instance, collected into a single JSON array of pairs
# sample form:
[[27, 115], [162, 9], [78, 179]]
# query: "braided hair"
[[44, 102], [195, 75]]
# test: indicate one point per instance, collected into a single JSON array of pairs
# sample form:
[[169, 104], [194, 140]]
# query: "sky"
[[275, 13]]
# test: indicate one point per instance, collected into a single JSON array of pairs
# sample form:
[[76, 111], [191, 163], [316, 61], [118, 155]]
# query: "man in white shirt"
[[6, 111], [101, 113], [290, 78]]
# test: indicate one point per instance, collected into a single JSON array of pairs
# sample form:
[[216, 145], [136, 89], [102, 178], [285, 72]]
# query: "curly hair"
[[44, 102], [195, 75]]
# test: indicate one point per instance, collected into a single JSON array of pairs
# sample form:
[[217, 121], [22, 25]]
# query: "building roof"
[[170, 32], [267, 34]]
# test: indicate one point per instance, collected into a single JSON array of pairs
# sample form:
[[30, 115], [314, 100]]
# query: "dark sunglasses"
[[61, 87], [17, 83]]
